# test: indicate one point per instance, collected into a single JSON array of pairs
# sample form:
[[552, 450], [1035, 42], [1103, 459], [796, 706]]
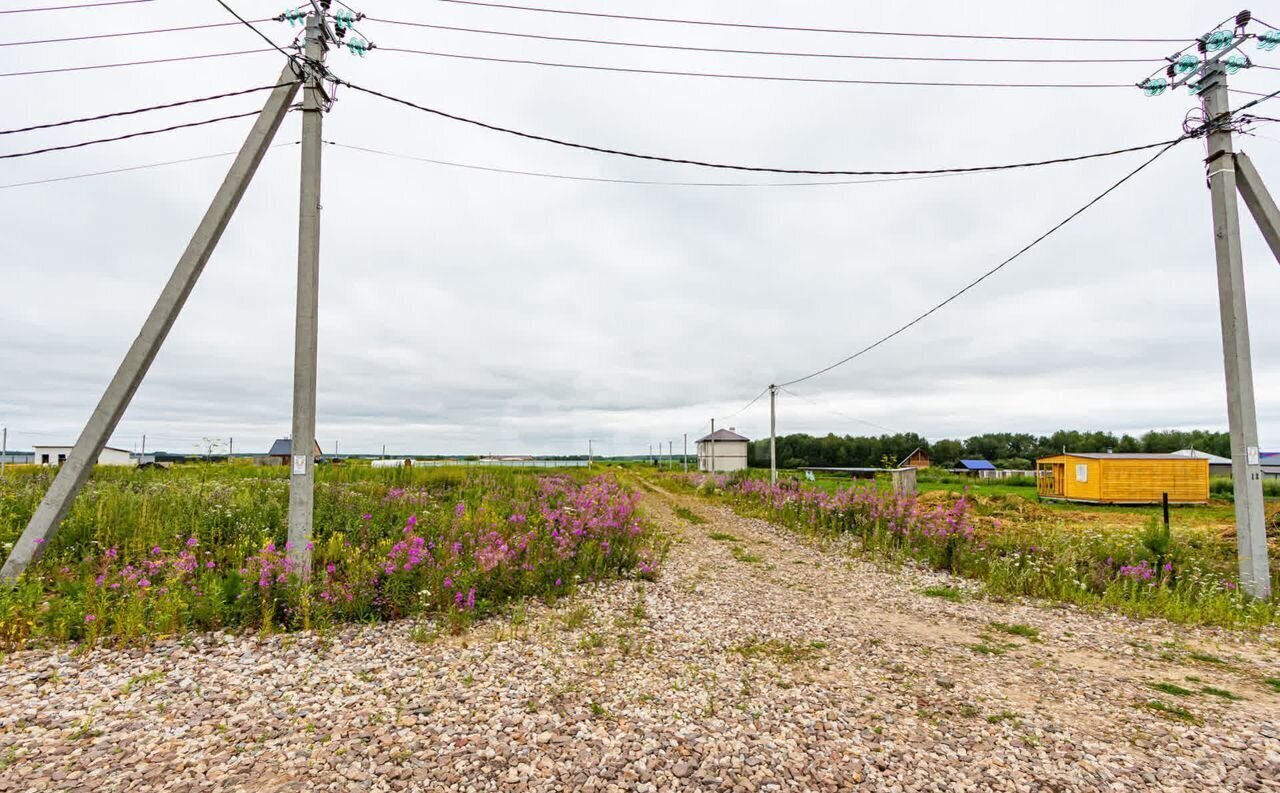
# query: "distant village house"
[[917, 459], [57, 455], [728, 448]]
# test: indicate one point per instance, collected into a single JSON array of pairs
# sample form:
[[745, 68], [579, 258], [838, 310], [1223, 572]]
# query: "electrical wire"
[[132, 63], [74, 7], [616, 43], [749, 404], [136, 111], [261, 35], [984, 37], [752, 168], [728, 76], [82, 144], [837, 412], [655, 182], [92, 36], [127, 169], [988, 273]]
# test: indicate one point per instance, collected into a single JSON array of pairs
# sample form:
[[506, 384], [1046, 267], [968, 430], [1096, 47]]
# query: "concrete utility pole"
[[670, 456], [231, 449], [590, 453], [1246, 469], [73, 473], [685, 456], [4, 448], [1259, 202], [306, 328], [773, 434], [144, 444], [711, 440]]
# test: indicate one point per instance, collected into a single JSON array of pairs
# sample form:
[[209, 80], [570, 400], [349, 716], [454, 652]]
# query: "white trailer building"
[[728, 448], [57, 455]]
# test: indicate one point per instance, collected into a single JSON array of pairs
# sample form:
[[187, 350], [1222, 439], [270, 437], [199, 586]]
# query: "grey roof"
[[1199, 455], [283, 447], [722, 435]]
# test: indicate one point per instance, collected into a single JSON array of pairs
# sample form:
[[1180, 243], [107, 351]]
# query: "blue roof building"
[[975, 466]]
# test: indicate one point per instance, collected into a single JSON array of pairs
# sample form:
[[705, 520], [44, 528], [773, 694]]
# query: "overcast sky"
[[473, 312]]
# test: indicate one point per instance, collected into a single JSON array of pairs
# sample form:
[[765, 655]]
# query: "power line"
[[683, 48], [729, 76], [135, 111], [125, 33], [126, 137], [656, 182], [129, 168], [74, 7], [753, 168], [837, 412], [990, 272], [709, 23], [131, 63], [261, 35], [742, 409]]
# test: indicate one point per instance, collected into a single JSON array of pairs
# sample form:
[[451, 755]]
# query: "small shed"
[[1096, 478], [726, 447], [975, 468], [57, 455], [282, 450], [917, 459]]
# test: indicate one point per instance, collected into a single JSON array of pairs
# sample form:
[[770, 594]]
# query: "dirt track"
[[756, 662]]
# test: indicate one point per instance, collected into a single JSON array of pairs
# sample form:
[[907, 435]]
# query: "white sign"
[[808, 475], [1252, 455], [1082, 472], [299, 465]]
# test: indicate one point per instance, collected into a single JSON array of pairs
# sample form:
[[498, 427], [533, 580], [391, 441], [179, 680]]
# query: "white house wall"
[[730, 456]]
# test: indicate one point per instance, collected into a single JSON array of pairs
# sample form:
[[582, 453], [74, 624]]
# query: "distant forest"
[[1005, 449]]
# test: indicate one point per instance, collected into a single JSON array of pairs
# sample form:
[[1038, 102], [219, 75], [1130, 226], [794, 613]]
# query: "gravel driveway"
[[758, 661]]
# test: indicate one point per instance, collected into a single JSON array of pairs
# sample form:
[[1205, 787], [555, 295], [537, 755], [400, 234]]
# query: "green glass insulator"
[[1154, 87], [1269, 40], [1234, 63], [1218, 39]]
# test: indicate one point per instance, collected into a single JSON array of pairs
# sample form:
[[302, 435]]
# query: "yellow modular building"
[[1123, 478]]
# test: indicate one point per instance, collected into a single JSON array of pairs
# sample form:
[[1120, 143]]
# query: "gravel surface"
[[758, 662]]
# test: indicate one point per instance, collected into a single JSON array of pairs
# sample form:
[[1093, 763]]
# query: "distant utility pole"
[[685, 456], [1207, 76], [591, 456], [144, 444], [231, 449], [306, 328], [670, 457], [773, 434], [4, 448], [711, 440], [75, 471]]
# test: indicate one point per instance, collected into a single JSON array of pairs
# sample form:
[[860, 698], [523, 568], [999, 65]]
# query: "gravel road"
[[757, 662]]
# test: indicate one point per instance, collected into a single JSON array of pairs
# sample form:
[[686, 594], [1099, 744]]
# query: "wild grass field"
[[1113, 557], [200, 547]]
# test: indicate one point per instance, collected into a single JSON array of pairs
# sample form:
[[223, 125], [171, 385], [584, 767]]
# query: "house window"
[[62, 458], [1082, 472], [44, 459]]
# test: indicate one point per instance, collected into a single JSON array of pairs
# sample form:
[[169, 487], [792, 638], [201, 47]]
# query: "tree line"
[[1005, 449]]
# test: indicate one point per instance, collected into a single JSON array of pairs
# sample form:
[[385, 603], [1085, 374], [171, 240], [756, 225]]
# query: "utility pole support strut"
[[74, 472]]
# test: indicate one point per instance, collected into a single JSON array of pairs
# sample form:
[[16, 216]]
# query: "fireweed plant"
[[1189, 577], [148, 553]]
